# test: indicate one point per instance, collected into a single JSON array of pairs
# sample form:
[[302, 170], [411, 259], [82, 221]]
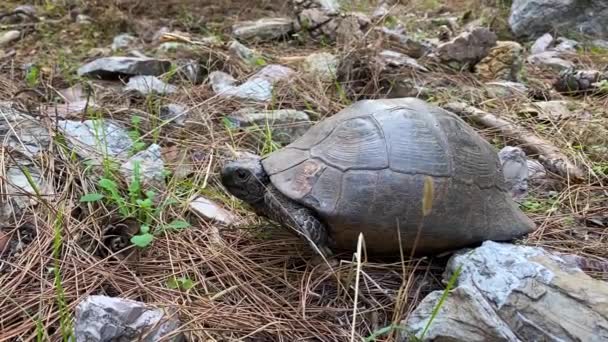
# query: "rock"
[[9, 37], [327, 6], [26, 10], [515, 170], [105, 319], [503, 62], [381, 11], [257, 88], [572, 81], [318, 23], [405, 44], [94, 139], [600, 43], [17, 185], [22, 133], [444, 33], [212, 211], [114, 67], [542, 44], [146, 85], [463, 316], [349, 31], [175, 113], [190, 70], [244, 53], [533, 291], [322, 65], [565, 45], [286, 124], [536, 171], [505, 89], [263, 29], [394, 59], [83, 19], [151, 167], [534, 18], [551, 60], [467, 48], [549, 111], [123, 41]]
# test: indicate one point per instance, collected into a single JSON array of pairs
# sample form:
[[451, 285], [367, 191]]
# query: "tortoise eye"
[[241, 174]]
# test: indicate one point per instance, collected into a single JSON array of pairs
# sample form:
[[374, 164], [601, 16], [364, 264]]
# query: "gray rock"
[[22, 133], [381, 11], [317, 23], [244, 53], [9, 37], [536, 171], [172, 47], [600, 43], [106, 319], [113, 67], [328, 6], [151, 167], [467, 48], [505, 89], [146, 85], [212, 211], [95, 139], [28, 10], [405, 44], [532, 18], [190, 70], [542, 44], [265, 29], [257, 88], [538, 294], [515, 170], [463, 316], [123, 41], [550, 60], [551, 111], [565, 45], [394, 59], [175, 113], [322, 65], [286, 124], [83, 19]]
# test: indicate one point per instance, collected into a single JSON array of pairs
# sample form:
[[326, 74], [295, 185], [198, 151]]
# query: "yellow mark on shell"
[[427, 196]]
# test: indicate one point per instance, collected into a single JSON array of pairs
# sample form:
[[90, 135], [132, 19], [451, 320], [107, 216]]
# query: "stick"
[[549, 155]]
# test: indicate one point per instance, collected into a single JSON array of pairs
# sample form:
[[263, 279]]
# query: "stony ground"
[[248, 280]]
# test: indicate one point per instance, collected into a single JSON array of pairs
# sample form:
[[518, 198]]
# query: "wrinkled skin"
[[246, 179]]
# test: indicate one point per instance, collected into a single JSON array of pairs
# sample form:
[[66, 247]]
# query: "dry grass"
[[255, 283]]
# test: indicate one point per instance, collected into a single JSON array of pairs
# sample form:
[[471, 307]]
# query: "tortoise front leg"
[[302, 220]]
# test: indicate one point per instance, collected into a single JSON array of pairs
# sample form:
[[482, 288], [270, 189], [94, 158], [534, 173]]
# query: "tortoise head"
[[245, 178]]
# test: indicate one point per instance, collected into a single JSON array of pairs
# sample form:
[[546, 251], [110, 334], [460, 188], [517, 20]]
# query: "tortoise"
[[363, 170]]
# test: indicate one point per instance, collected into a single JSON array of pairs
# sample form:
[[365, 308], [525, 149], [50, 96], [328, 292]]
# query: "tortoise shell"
[[363, 171]]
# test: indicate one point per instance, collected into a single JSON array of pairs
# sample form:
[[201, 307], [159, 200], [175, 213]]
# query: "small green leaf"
[[172, 283], [150, 194], [144, 229], [143, 240], [186, 283], [136, 120], [108, 184], [92, 197], [178, 225]]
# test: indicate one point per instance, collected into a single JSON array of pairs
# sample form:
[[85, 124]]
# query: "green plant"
[[32, 77], [65, 319], [182, 283], [135, 135], [135, 204]]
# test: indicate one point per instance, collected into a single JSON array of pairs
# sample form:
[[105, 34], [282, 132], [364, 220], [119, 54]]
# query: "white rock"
[[151, 167], [105, 319], [123, 41], [257, 88], [505, 89], [542, 44], [8, 37], [286, 124], [145, 85], [396, 59], [175, 113], [211, 210], [548, 110], [263, 29], [539, 295], [565, 45], [550, 59], [94, 139], [323, 65]]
